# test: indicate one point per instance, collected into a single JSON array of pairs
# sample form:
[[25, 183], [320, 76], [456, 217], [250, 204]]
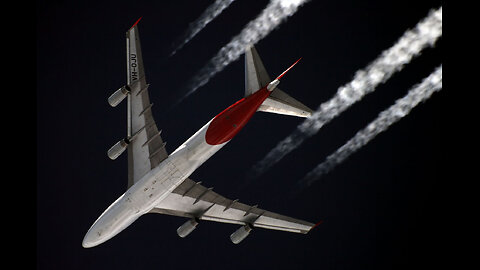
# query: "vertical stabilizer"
[[256, 76]]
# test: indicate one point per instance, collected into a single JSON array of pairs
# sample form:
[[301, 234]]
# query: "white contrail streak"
[[385, 119], [208, 15], [425, 33], [275, 13]]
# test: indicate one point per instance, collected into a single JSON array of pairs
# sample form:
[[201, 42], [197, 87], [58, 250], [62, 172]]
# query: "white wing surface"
[[193, 200], [146, 149]]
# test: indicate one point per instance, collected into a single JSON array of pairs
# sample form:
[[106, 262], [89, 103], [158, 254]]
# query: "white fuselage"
[[152, 188], [157, 184]]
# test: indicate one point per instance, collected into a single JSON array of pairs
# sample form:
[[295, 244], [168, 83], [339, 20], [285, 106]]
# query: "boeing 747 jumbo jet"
[[159, 182]]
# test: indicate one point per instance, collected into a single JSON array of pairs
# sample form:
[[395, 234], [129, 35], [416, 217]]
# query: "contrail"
[[425, 33], [385, 119], [276, 12], [208, 15]]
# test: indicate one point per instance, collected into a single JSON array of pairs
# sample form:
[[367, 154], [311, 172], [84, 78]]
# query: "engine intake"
[[118, 148], [241, 233], [187, 227], [118, 96]]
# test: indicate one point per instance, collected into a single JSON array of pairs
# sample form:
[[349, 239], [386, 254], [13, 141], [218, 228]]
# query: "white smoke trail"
[[385, 119], [425, 33], [275, 13], [208, 15]]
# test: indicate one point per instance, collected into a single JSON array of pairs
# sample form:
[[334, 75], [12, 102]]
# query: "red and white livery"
[[159, 182]]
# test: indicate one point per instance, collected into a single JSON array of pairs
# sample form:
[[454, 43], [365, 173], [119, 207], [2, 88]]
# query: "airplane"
[[159, 182]]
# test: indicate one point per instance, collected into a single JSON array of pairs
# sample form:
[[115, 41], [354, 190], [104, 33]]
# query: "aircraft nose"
[[94, 236], [89, 240], [86, 244], [110, 223]]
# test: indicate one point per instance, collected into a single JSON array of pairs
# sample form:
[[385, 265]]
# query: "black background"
[[381, 208]]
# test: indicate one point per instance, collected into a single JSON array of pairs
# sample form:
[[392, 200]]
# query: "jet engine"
[[241, 233], [118, 148], [118, 96], [187, 227]]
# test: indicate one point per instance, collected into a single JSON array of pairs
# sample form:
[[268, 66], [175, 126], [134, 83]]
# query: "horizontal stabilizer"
[[257, 77], [281, 103]]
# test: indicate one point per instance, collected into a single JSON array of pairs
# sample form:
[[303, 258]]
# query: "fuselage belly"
[[152, 188]]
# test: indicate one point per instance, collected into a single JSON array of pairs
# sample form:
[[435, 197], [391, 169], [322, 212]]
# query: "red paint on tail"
[[229, 122]]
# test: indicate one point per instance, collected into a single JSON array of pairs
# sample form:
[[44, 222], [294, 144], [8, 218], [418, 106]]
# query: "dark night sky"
[[380, 207]]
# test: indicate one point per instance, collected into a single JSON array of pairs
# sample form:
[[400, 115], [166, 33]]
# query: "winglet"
[[281, 75], [318, 223], [135, 23]]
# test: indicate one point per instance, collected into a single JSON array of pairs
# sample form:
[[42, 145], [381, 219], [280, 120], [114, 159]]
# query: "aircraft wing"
[[146, 149], [191, 199]]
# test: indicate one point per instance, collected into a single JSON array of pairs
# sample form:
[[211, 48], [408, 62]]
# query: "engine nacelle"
[[241, 234], [187, 227], [118, 96], [118, 148]]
